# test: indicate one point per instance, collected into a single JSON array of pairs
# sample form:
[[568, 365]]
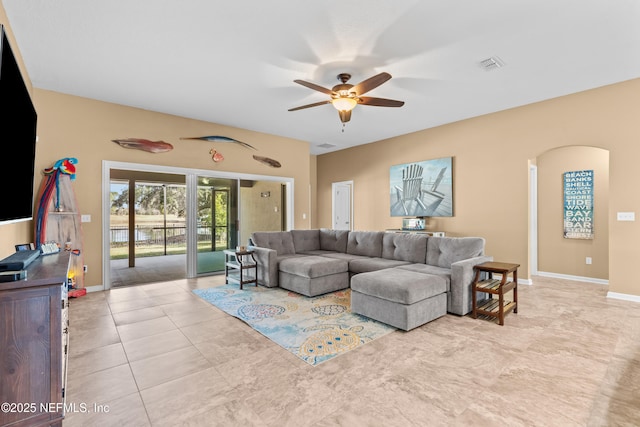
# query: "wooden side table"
[[240, 267], [492, 307]]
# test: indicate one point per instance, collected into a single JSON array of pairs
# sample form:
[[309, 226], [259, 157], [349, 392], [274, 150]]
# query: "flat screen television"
[[18, 134]]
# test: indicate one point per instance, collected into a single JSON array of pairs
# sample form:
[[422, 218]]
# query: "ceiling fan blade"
[[316, 87], [315, 104], [371, 83], [380, 102]]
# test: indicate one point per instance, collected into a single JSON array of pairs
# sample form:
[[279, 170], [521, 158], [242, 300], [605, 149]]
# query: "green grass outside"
[[122, 252]]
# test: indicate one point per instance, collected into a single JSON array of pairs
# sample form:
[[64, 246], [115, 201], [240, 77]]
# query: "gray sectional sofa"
[[401, 279]]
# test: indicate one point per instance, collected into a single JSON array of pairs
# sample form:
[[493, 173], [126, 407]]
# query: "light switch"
[[85, 218], [626, 216]]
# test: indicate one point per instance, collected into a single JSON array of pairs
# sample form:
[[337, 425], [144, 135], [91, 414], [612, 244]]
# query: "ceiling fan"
[[344, 96]]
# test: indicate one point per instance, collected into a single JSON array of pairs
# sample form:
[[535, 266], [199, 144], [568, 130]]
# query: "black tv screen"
[[18, 134]]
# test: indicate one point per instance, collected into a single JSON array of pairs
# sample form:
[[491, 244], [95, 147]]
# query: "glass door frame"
[[191, 176]]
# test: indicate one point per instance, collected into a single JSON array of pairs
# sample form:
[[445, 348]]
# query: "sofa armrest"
[[462, 275], [267, 260]]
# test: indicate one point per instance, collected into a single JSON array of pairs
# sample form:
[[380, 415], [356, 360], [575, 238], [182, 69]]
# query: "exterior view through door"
[[152, 244]]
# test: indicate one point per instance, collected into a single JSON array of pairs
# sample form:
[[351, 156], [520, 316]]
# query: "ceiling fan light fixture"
[[344, 104]]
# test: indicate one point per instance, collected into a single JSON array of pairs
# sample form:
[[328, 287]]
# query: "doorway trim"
[[533, 215], [334, 187], [190, 175]]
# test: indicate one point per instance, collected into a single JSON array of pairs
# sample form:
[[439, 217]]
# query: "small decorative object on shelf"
[[240, 266], [48, 248], [495, 308]]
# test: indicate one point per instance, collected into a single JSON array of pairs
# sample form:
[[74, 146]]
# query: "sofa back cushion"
[[367, 243], [443, 251], [333, 240], [280, 241], [404, 247], [306, 240]]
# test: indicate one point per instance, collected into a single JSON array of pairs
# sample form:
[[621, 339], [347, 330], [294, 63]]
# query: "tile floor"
[[157, 355]]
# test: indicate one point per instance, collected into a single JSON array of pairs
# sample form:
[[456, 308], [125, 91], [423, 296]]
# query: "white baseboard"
[[570, 277], [95, 288], [626, 297]]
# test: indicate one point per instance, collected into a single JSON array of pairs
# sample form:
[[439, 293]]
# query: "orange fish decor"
[[216, 156], [144, 145]]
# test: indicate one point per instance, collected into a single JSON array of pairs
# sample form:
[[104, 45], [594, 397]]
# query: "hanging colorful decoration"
[[50, 186]]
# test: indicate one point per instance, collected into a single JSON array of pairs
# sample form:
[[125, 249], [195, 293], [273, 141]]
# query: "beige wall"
[[70, 126], [491, 158], [492, 154], [567, 256]]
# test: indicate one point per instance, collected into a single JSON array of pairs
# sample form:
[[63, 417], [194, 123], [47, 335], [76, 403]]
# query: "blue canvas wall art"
[[422, 188]]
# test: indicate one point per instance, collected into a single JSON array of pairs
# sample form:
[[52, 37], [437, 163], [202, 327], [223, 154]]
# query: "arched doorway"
[[551, 253]]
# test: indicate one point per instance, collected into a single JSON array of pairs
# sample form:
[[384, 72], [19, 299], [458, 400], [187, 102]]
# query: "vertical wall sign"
[[578, 204]]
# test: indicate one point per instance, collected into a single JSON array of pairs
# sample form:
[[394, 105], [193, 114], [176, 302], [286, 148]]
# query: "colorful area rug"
[[314, 329]]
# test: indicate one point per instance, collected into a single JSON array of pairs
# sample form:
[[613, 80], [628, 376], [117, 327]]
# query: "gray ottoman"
[[401, 298], [313, 275]]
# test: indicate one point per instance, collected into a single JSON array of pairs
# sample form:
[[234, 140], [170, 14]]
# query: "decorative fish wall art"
[[267, 161], [217, 138], [144, 145]]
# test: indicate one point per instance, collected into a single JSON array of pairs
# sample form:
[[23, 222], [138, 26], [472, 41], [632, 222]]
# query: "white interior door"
[[342, 201]]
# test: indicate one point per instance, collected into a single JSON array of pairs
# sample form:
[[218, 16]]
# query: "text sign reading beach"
[[578, 204]]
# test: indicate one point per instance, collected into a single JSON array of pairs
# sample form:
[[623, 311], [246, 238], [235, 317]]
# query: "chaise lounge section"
[[404, 280]]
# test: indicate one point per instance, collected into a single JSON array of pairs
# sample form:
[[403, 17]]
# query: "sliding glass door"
[[217, 221]]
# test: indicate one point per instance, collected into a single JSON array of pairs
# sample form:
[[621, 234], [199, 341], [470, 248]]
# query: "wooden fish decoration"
[[144, 145], [267, 161], [216, 156], [216, 138]]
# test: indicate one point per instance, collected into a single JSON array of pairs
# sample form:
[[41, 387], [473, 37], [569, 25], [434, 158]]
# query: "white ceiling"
[[234, 62]]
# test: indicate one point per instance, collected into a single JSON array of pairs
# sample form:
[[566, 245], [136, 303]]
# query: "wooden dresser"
[[33, 344]]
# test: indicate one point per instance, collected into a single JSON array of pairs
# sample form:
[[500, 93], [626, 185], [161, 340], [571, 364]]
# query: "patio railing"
[[158, 240]]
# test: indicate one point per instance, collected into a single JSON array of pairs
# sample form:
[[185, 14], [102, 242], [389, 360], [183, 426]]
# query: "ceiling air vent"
[[491, 63], [326, 145]]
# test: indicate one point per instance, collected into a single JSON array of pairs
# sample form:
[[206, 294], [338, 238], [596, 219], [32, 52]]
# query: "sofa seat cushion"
[[279, 258], [363, 265], [346, 257], [398, 285], [319, 252], [445, 273], [313, 266]]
